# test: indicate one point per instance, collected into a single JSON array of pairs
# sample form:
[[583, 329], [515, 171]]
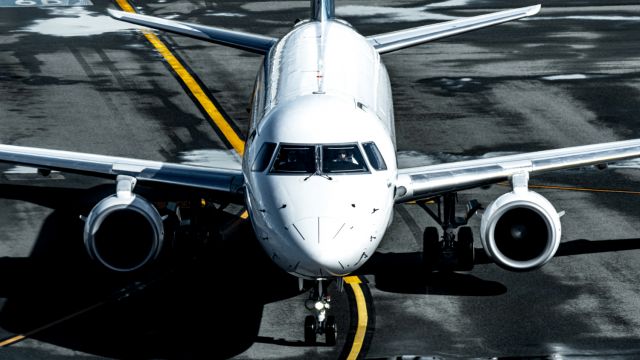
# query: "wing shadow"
[[579, 247], [158, 313], [404, 272]]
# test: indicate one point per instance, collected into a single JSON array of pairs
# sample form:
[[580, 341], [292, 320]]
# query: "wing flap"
[[426, 181], [217, 179], [240, 40], [401, 39]]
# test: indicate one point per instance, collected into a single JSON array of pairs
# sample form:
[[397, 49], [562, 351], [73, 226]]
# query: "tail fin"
[[322, 10]]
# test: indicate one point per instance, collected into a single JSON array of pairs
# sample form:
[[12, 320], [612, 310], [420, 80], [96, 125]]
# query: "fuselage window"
[[342, 159], [375, 157], [295, 159], [264, 157]]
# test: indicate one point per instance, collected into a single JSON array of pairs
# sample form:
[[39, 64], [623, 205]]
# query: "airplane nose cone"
[[321, 230], [330, 244]]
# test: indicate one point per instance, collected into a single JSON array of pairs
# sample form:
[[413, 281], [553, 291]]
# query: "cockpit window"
[[264, 157], [375, 157], [295, 159], [342, 159]]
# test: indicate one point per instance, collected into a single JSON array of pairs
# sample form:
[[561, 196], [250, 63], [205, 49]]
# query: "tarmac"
[[72, 78]]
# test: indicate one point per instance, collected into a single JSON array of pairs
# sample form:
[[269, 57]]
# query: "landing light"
[[318, 305]]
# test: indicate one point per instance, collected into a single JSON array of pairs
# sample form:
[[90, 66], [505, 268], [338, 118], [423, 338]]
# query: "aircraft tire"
[[310, 327], [430, 248], [466, 252], [331, 330]]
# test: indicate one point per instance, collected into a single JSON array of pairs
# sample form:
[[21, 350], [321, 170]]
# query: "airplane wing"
[[427, 181], [217, 179], [401, 39], [240, 40]]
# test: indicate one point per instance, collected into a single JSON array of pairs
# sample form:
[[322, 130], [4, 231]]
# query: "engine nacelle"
[[520, 230], [124, 232]]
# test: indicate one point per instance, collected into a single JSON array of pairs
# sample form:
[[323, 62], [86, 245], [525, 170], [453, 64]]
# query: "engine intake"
[[124, 232], [520, 230]]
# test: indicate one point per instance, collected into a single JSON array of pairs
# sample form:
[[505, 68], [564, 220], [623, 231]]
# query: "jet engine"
[[124, 232], [520, 230]]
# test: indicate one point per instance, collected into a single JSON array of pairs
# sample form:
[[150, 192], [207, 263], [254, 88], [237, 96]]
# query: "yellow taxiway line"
[[196, 90], [363, 316], [12, 340], [17, 338]]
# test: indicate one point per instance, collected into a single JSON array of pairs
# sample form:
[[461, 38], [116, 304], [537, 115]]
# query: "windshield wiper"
[[318, 162], [319, 174]]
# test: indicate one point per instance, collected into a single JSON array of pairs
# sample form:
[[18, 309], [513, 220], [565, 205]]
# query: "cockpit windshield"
[[319, 159], [295, 159], [342, 159]]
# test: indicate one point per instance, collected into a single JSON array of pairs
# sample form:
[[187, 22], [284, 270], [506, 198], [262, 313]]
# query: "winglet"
[[533, 10]]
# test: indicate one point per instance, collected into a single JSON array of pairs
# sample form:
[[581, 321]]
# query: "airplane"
[[319, 173]]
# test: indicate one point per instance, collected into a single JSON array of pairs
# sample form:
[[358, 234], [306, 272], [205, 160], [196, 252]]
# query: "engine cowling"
[[520, 230], [124, 232]]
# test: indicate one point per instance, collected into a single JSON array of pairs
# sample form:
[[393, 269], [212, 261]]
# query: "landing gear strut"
[[449, 252], [320, 323]]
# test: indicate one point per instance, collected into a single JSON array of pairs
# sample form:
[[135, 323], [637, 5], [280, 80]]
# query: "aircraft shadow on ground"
[[404, 272], [173, 310], [169, 311]]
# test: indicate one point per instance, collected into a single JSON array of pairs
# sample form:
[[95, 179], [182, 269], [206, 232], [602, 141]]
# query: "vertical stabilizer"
[[322, 10]]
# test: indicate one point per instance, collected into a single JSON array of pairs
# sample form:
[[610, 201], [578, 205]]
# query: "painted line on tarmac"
[[189, 81], [364, 322], [17, 338], [12, 340], [193, 86]]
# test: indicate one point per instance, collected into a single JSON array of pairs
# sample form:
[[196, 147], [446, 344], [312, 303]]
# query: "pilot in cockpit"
[[345, 156]]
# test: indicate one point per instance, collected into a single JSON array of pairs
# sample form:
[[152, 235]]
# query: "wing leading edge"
[[401, 39], [427, 181], [240, 40], [217, 179]]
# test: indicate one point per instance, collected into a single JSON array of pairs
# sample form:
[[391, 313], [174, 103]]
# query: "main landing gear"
[[452, 251], [320, 323]]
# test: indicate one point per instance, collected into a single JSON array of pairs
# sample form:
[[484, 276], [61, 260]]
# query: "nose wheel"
[[310, 328], [319, 323]]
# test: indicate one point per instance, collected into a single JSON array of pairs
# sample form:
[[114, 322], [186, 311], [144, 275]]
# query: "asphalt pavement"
[[73, 79]]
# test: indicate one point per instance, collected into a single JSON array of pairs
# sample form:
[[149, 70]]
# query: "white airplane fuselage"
[[322, 87]]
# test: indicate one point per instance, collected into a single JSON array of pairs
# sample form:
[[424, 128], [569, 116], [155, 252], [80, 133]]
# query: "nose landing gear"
[[320, 323]]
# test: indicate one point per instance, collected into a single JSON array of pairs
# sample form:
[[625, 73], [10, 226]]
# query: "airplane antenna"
[[322, 10]]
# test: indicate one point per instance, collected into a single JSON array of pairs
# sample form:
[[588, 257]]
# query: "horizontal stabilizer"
[[401, 39], [240, 40]]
